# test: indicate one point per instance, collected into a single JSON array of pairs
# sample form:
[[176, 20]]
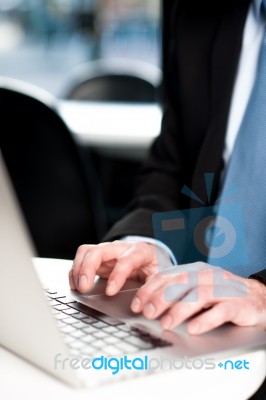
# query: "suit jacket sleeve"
[[159, 182]]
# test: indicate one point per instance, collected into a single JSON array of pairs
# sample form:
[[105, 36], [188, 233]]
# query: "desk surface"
[[18, 379], [116, 127]]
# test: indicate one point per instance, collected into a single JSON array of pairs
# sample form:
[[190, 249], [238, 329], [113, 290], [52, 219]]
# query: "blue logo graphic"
[[231, 365], [197, 234]]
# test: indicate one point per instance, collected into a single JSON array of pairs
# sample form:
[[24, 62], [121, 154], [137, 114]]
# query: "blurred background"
[[42, 40], [101, 60]]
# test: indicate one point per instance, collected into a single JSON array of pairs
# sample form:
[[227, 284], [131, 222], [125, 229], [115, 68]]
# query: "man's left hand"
[[208, 296]]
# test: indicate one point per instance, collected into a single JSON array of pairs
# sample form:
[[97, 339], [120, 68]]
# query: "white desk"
[[118, 128], [20, 380]]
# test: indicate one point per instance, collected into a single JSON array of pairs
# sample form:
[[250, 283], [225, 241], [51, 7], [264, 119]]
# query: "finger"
[[156, 305], [71, 280], [182, 305], [219, 314], [193, 279], [172, 287], [187, 306], [165, 297], [185, 278], [80, 253], [145, 293], [94, 258], [137, 256], [195, 301]]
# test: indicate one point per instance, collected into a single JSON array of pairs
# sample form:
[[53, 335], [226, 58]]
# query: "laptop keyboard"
[[88, 332]]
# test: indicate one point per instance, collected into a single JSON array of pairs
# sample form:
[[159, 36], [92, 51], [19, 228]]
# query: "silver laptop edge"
[[27, 325]]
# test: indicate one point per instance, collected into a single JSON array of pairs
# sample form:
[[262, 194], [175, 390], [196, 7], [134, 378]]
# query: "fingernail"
[[149, 310], [111, 288], [136, 303], [194, 328], [83, 282], [167, 322]]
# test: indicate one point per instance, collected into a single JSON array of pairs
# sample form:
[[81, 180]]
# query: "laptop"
[[86, 339]]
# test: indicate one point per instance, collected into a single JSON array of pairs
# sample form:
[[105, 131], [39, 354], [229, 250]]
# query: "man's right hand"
[[116, 261]]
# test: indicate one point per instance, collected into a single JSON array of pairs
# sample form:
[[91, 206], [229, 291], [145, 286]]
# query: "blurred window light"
[[10, 37], [6, 5], [41, 41]]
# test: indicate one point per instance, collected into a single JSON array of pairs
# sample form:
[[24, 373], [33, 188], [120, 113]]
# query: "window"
[[41, 41]]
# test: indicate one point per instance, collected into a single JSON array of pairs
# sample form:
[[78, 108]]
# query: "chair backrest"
[[59, 195], [114, 80]]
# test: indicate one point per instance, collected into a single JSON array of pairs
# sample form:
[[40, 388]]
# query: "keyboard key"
[[70, 311], [137, 332], [69, 320], [89, 320], [80, 324], [98, 343], [86, 310], [77, 333], [100, 334], [125, 328], [127, 348], [55, 296], [111, 340], [54, 302], [88, 339], [88, 351], [111, 321], [67, 329], [121, 334], [89, 329], [110, 329], [60, 315], [50, 291], [112, 351], [100, 324], [67, 300], [80, 315], [139, 342], [61, 307], [94, 314], [160, 343]]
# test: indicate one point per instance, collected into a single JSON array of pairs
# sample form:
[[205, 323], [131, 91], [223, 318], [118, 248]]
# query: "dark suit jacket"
[[201, 56]]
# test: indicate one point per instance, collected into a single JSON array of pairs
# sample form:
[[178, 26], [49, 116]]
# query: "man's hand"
[[117, 261], [218, 295]]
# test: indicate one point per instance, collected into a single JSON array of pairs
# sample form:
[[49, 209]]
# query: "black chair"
[[115, 80], [120, 80], [58, 193]]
